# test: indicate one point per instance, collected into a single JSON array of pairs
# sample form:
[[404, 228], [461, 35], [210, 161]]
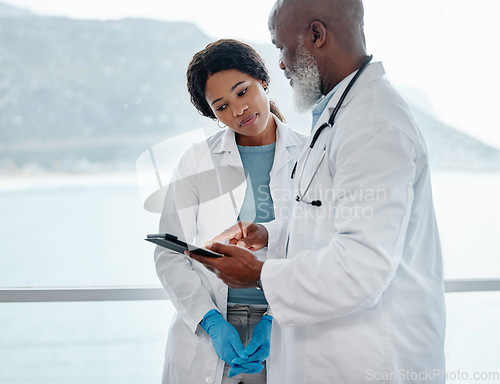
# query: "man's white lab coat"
[[360, 298], [197, 208]]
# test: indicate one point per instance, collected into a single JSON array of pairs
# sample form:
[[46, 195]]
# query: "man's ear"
[[317, 32]]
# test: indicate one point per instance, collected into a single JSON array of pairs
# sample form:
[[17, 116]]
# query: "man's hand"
[[243, 234], [238, 268]]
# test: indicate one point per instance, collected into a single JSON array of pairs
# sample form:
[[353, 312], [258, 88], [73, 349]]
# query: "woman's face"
[[239, 101]]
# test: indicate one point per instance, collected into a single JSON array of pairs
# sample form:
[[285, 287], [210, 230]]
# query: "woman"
[[241, 173]]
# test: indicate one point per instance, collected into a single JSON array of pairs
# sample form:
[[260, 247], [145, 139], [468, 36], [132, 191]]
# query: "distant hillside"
[[75, 92], [101, 90], [7, 10], [452, 149]]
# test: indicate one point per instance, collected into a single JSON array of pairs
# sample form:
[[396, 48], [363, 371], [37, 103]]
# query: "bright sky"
[[443, 47], [217, 18]]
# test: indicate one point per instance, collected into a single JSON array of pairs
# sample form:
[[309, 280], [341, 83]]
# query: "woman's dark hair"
[[222, 55]]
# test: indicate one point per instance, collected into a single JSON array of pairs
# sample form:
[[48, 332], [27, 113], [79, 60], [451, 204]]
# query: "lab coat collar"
[[227, 142], [373, 71], [285, 137], [226, 145]]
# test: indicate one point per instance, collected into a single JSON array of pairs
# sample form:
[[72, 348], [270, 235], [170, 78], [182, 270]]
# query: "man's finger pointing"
[[226, 250]]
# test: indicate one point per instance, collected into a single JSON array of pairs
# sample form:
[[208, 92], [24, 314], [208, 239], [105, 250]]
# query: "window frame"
[[132, 293]]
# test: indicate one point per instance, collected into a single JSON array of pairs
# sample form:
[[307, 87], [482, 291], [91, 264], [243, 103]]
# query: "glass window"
[[472, 337], [438, 54], [83, 99], [83, 342], [86, 98]]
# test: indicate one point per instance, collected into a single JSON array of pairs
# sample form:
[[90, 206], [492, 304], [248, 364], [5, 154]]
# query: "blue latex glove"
[[257, 350], [225, 338]]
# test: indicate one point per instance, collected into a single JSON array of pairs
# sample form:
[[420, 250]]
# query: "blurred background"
[[88, 87]]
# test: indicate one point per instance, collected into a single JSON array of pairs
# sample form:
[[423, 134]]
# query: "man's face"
[[304, 79], [299, 65]]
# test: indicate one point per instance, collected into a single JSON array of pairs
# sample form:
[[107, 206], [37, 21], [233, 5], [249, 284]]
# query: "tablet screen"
[[166, 240]]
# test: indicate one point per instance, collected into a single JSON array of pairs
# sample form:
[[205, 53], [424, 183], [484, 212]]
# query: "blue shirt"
[[320, 107], [257, 206], [257, 162]]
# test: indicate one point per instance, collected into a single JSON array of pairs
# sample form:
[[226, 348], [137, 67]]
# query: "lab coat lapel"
[[373, 71], [229, 166], [284, 139]]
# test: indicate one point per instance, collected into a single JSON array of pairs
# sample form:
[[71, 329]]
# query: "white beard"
[[306, 81]]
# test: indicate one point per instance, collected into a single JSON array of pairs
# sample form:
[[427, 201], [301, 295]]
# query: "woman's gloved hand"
[[257, 350], [225, 338]]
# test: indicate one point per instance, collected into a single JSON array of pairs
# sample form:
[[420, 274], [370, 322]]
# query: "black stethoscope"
[[300, 196]]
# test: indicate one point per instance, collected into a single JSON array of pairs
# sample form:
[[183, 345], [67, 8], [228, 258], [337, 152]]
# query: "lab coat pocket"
[[354, 343], [181, 344]]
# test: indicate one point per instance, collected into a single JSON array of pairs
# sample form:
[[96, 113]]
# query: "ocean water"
[[89, 230], [75, 231], [83, 342], [468, 214]]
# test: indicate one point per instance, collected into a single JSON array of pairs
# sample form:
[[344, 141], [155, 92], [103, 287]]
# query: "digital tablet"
[[166, 240]]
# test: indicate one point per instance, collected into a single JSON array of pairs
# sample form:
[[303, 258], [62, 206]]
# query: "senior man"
[[358, 296]]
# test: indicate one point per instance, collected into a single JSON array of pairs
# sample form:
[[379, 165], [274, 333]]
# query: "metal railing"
[[39, 294]]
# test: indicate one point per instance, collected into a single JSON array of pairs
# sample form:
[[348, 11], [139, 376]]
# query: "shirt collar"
[[321, 105]]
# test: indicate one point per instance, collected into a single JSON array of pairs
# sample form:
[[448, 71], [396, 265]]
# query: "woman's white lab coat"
[[360, 298], [198, 207]]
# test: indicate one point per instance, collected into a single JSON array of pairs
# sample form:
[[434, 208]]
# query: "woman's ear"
[[317, 33]]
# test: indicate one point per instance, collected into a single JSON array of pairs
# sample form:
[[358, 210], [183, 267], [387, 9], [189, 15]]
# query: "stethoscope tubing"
[[331, 121]]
